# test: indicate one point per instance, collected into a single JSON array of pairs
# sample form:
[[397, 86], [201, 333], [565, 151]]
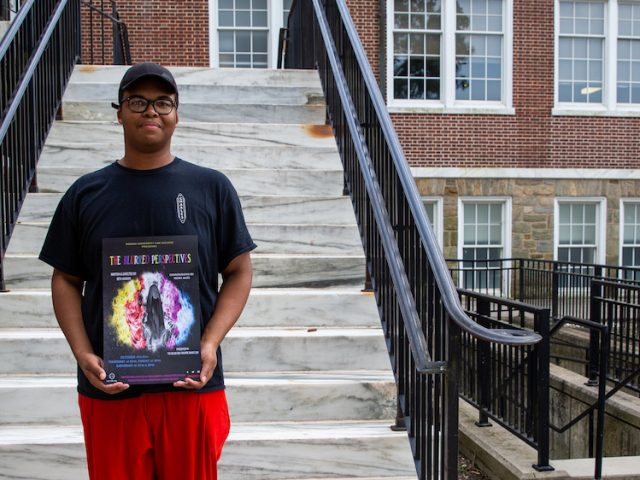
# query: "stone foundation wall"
[[532, 208]]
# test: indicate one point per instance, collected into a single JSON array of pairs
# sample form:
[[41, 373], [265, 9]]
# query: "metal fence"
[[100, 13], [563, 287], [509, 384], [419, 307], [37, 56], [617, 305]]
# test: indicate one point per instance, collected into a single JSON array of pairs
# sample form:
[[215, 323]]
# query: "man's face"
[[147, 132]]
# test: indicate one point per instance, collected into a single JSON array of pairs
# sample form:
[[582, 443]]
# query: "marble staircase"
[[309, 384]]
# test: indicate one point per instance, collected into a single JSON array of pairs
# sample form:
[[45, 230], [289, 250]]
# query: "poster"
[[151, 309]]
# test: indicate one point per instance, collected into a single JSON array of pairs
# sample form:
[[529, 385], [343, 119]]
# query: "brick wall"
[[171, 32], [530, 138]]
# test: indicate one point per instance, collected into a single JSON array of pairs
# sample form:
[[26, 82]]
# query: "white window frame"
[[609, 105], [506, 232], [623, 202], [438, 220], [274, 23], [448, 103], [601, 225]]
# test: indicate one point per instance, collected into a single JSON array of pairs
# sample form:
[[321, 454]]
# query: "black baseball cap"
[[144, 70]]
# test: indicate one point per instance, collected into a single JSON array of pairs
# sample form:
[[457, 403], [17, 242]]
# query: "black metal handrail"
[[417, 301], [120, 34], [37, 56], [509, 384]]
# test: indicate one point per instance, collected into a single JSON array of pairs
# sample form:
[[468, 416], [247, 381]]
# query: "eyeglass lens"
[[162, 106]]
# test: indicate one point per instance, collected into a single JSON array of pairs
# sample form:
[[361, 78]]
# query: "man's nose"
[[150, 109]]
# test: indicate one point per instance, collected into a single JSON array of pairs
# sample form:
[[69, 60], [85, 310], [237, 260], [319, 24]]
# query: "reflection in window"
[[479, 47], [286, 7], [631, 238], [577, 232], [416, 49], [482, 245], [581, 52], [243, 31], [628, 53]]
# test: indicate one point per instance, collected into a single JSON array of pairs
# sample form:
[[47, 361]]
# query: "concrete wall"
[[570, 397]]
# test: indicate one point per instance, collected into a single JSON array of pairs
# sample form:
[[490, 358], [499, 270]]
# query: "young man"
[[142, 431]]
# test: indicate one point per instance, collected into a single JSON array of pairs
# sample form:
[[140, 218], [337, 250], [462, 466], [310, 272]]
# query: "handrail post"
[[118, 57], [555, 287], [594, 353], [450, 427], [521, 279], [602, 392], [483, 365], [541, 352]]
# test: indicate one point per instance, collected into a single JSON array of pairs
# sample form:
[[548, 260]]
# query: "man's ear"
[[119, 113]]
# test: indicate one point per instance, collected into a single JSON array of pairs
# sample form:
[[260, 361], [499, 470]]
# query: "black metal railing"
[[600, 332], [121, 51], [616, 304], [563, 287], [507, 383], [7, 8], [418, 304], [37, 56]]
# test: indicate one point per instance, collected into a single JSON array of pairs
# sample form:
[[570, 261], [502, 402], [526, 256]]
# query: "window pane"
[[260, 19], [581, 52], [483, 213], [243, 41], [401, 5], [564, 235], [225, 19], [226, 41]]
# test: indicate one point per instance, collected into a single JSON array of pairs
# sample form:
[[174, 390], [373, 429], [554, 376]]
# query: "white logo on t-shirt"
[[181, 208]]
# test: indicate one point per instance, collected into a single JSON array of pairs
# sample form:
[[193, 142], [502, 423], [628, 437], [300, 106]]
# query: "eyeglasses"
[[137, 104]]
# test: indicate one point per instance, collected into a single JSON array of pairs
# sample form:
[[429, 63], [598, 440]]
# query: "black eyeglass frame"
[[152, 102]]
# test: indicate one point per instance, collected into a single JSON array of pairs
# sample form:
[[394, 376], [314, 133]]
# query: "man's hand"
[[93, 368], [236, 284], [209, 362]]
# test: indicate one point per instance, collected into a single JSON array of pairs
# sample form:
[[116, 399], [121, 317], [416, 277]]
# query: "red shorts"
[[155, 436]]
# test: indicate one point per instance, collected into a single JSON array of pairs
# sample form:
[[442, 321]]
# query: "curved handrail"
[[417, 340], [14, 26], [439, 266], [33, 61]]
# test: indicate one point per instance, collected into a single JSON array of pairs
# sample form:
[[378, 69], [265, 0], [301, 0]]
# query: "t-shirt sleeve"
[[234, 235], [61, 248]]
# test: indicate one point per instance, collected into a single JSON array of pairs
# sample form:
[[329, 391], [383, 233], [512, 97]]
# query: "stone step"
[[269, 270], [196, 111], [297, 210], [96, 155], [266, 451], [213, 92], [205, 77], [76, 134], [314, 396], [280, 307], [24, 351], [279, 239], [246, 181]]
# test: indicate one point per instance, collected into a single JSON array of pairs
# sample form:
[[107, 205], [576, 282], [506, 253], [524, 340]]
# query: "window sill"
[[453, 110], [594, 112]]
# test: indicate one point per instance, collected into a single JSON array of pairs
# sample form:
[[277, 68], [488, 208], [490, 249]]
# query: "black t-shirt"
[[120, 202]]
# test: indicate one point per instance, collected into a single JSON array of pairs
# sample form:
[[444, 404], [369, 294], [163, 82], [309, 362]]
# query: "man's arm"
[[234, 291], [66, 293]]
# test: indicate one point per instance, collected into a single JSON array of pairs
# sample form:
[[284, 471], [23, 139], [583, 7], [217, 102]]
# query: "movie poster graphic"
[[151, 309]]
